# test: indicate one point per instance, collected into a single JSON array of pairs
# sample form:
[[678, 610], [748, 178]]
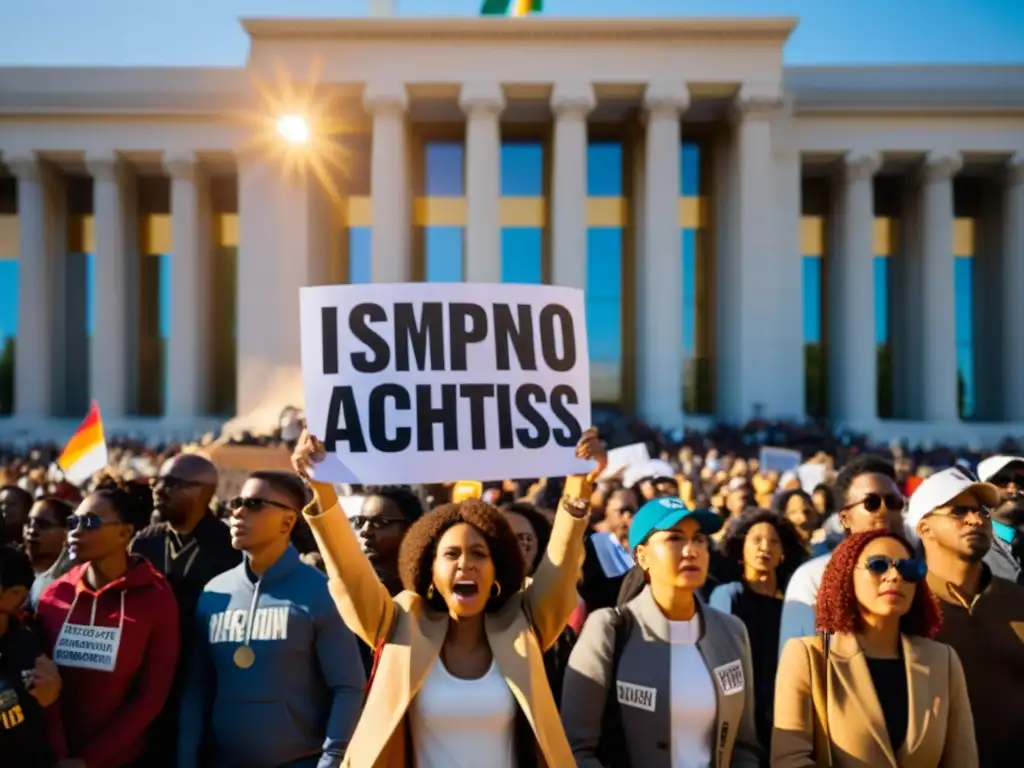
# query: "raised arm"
[[364, 603], [551, 595]]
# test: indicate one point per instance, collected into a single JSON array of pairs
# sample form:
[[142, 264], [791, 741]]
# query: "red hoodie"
[[106, 713]]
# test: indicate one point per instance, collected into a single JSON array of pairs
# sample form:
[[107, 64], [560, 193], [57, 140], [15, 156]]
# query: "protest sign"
[[420, 382], [779, 459], [631, 455]]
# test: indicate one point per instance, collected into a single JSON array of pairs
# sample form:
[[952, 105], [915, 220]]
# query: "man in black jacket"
[[189, 546]]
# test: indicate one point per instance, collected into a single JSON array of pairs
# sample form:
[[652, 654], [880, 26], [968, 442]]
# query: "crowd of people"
[[690, 610]]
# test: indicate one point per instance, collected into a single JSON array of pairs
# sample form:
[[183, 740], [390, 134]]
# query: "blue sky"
[[206, 32]]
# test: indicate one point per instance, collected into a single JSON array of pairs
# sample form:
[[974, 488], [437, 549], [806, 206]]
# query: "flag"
[[86, 451], [511, 7]]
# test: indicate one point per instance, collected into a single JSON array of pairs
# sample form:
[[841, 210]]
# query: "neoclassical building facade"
[[753, 239]]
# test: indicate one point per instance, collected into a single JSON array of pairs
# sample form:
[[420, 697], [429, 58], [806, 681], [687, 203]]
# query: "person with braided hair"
[[111, 626]]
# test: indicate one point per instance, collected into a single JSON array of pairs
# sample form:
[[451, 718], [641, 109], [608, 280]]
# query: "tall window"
[[884, 240], [605, 222], [224, 199], [441, 211], [522, 212], [698, 285], [963, 285], [8, 290], [156, 292], [815, 359], [8, 328], [355, 186]]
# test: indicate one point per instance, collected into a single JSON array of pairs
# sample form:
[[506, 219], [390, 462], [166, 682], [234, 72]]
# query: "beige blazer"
[[415, 633], [940, 727]]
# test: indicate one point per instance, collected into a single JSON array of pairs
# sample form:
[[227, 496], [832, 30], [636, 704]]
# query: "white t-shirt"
[[694, 707], [463, 723]]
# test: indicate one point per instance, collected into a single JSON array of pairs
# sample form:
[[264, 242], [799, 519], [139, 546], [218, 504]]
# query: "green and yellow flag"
[[511, 7]]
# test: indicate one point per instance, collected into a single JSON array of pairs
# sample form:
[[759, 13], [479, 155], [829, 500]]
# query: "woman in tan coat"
[[873, 690], [459, 676]]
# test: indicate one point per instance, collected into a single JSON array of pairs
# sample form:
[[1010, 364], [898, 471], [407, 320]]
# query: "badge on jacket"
[[730, 677], [639, 696]]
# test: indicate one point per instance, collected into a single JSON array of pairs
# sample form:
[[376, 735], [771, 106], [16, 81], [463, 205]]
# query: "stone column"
[[571, 103], [659, 284], [483, 104], [284, 226], [188, 358], [749, 379], [851, 287], [38, 229], [389, 183], [937, 380], [1013, 285], [114, 344]]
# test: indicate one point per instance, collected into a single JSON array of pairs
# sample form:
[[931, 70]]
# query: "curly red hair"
[[837, 608]]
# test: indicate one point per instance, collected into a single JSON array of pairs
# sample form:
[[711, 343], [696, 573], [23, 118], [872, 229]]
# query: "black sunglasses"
[[910, 570], [375, 523], [1004, 480], [873, 502], [254, 504], [90, 521], [172, 483], [961, 511]]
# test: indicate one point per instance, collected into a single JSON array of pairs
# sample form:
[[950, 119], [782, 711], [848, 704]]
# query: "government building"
[[753, 240]]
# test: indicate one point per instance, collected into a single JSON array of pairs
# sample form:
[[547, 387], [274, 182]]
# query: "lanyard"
[[244, 656]]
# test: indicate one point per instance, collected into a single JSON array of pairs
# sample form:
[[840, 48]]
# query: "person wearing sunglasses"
[[44, 538], [382, 522], [111, 626], [983, 615], [869, 499], [189, 546], [273, 676], [1007, 474], [873, 688]]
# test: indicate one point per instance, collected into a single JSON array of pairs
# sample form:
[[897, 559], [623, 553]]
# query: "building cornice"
[[213, 93], [123, 91], [942, 89], [531, 28]]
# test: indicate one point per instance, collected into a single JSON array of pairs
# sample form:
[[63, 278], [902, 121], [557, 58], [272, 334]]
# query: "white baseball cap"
[[941, 488], [993, 465]]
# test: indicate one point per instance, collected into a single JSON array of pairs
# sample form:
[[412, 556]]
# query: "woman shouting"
[[459, 675]]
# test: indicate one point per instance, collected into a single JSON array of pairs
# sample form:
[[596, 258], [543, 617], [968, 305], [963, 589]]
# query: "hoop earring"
[[496, 591], [430, 592]]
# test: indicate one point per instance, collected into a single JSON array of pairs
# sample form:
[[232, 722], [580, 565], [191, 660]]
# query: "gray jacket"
[[1001, 560], [645, 663]]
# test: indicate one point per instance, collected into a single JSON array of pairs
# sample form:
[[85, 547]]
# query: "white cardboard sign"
[[429, 382]]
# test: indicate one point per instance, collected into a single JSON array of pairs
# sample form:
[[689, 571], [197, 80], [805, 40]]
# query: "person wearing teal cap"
[[665, 680], [665, 513]]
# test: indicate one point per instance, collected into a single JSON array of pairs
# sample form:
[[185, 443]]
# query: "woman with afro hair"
[[459, 677], [873, 688], [764, 548]]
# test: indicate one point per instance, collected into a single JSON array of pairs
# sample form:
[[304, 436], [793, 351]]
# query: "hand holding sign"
[[309, 451], [590, 447]]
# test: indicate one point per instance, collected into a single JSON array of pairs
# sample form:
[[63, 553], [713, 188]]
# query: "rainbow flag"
[[86, 451], [511, 7]]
